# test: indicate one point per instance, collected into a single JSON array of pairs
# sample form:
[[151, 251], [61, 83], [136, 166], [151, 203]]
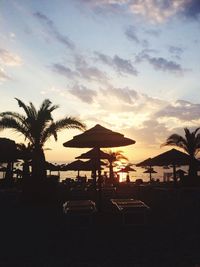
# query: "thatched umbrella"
[[8, 154], [99, 137], [53, 167], [79, 165], [150, 171], [127, 169], [144, 163], [172, 157], [94, 153]]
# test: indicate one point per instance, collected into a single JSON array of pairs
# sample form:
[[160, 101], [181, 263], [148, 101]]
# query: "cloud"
[[192, 10], [153, 10], [88, 72], [3, 75], [53, 31], [131, 34], [160, 63], [9, 59], [182, 110], [176, 51], [122, 66], [82, 70], [63, 70], [151, 133], [153, 32], [83, 93], [157, 11], [123, 94]]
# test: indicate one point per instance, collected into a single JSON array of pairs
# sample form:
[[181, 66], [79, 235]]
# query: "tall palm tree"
[[190, 144], [37, 126], [113, 157]]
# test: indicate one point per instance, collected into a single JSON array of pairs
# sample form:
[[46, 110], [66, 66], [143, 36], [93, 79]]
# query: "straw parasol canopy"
[[99, 137], [94, 153], [150, 171], [79, 165], [144, 163], [127, 169], [172, 157]]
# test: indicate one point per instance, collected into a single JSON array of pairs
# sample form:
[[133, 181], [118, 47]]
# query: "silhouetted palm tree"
[[37, 126], [113, 157], [190, 144]]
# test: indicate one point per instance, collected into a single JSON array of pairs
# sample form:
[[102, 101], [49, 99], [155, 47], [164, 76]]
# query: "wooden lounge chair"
[[79, 212], [133, 211]]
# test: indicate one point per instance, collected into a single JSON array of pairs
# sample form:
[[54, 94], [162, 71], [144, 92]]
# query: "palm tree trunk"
[[111, 172], [192, 172], [38, 165], [9, 171], [174, 175], [25, 171]]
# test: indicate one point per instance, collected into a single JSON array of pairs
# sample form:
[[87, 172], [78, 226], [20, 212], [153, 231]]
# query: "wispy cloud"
[[126, 95], [9, 59], [83, 93], [153, 32], [160, 63], [63, 70], [121, 65], [82, 70], [132, 35], [88, 71], [176, 51], [159, 133], [182, 110], [53, 31], [153, 10], [157, 11], [3, 75], [193, 9]]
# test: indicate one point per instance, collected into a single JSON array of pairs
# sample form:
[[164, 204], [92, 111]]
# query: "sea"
[[138, 174]]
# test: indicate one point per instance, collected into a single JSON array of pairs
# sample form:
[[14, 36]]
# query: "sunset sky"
[[130, 65]]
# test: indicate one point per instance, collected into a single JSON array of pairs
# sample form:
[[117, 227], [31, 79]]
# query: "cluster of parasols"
[[99, 137]]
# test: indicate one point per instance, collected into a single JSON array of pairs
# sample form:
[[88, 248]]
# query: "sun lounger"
[[133, 211], [79, 212]]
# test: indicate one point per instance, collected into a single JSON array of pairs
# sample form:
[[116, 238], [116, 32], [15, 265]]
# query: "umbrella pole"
[[174, 174], [150, 173], [99, 180]]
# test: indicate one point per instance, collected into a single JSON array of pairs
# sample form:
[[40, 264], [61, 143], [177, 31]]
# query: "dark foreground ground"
[[40, 235]]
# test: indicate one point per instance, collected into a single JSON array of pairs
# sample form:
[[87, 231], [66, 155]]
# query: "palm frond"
[[69, 123], [48, 132], [15, 115], [12, 123], [25, 107]]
